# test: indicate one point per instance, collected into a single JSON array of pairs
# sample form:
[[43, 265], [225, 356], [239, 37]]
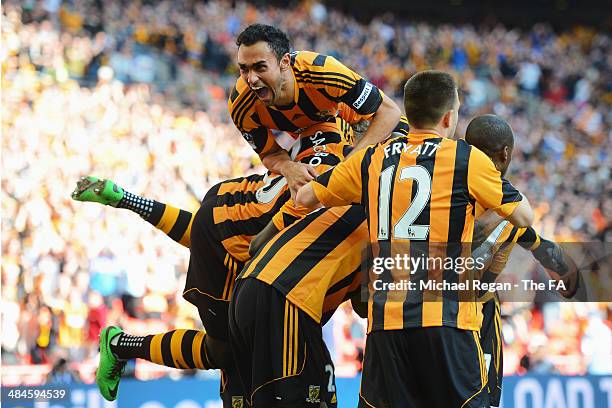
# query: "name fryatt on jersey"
[[427, 148]]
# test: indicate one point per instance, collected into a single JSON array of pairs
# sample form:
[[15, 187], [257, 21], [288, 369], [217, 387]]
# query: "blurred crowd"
[[137, 91]]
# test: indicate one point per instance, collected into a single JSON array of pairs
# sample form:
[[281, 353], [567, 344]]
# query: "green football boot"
[[98, 191], [110, 367]]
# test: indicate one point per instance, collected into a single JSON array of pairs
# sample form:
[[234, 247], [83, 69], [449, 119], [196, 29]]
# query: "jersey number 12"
[[404, 228]]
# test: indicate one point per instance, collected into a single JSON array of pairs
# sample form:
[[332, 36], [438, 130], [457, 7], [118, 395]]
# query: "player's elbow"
[[522, 216], [259, 241], [360, 307]]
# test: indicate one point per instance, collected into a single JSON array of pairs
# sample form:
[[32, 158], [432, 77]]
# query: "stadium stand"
[[138, 92]]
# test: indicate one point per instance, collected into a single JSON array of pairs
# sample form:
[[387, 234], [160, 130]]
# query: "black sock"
[[178, 348], [140, 205], [125, 346]]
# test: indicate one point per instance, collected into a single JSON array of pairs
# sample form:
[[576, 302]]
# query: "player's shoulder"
[[240, 95], [402, 128], [310, 61], [477, 157], [307, 60]]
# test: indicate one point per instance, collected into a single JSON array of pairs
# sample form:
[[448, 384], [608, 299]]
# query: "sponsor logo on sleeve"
[[367, 89]]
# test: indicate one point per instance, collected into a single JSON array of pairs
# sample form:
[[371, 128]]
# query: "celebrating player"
[[305, 272], [300, 93], [420, 190], [218, 235], [495, 138]]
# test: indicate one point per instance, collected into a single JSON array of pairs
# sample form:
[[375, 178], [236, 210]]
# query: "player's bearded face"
[[262, 71]]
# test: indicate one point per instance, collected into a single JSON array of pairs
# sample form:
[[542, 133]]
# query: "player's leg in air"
[[174, 222], [212, 271], [185, 349], [218, 235], [182, 349]]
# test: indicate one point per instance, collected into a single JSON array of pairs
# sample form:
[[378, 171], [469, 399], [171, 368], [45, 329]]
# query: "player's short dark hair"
[[428, 95], [489, 133], [276, 39]]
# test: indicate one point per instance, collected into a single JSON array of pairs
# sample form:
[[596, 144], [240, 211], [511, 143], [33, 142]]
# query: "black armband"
[[364, 97]]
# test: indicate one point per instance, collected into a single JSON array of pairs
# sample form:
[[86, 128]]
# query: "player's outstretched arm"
[[174, 222], [557, 262], [338, 186], [522, 216]]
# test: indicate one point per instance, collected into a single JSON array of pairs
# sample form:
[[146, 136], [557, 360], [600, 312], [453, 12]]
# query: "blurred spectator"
[[62, 374]]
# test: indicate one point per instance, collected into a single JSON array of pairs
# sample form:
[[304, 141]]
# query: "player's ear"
[[447, 119], [506, 154], [285, 61]]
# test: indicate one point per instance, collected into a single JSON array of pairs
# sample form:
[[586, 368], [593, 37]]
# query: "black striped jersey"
[[419, 193], [315, 262], [324, 89], [245, 206]]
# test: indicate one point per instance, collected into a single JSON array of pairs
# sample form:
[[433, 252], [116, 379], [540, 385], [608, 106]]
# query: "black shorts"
[[279, 350], [491, 343], [211, 272], [231, 389], [210, 279], [423, 367]]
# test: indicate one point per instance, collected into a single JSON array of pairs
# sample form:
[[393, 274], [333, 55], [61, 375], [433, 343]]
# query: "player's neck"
[[288, 89], [426, 131]]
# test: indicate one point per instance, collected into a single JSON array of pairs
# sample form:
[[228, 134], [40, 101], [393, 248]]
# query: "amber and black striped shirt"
[[315, 262], [247, 204], [324, 89], [419, 193]]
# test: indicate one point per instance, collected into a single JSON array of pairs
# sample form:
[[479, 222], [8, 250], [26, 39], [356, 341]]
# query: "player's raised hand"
[[297, 174]]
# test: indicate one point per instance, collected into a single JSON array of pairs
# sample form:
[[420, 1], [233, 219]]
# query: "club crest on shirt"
[[237, 402], [314, 392], [327, 114]]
